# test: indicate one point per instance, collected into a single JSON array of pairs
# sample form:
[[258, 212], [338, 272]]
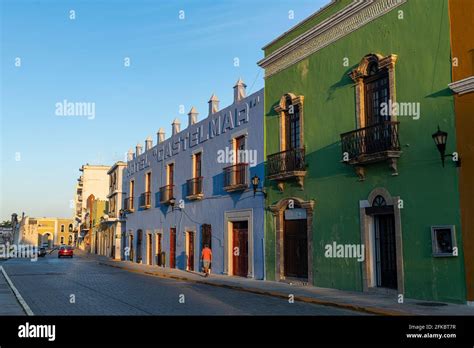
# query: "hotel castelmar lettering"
[[222, 123]]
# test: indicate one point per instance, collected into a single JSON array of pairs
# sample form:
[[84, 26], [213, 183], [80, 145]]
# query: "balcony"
[[128, 204], [166, 194], [286, 165], [236, 177], [194, 187], [145, 200], [370, 145]]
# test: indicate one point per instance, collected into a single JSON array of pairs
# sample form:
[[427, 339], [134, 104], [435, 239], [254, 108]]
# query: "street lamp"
[[122, 214], [255, 183], [172, 202], [440, 138]]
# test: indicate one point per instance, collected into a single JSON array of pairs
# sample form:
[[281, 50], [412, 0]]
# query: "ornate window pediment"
[[371, 65]]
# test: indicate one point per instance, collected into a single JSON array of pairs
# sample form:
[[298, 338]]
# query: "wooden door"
[[150, 252], [172, 247], [239, 173], [293, 127], [131, 248], [190, 251], [386, 252], [139, 246], [296, 248], [159, 261], [171, 174], [376, 93], [197, 165], [206, 236], [240, 248]]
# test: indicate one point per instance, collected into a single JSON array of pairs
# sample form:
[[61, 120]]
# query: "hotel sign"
[[197, 134]]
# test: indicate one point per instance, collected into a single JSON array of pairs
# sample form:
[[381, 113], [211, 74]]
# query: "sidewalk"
[[9, 305], [363, 302]]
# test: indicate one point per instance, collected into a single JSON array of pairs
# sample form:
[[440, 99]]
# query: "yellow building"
[[462, 46], [47, 228], [48, 232], [65, 233]]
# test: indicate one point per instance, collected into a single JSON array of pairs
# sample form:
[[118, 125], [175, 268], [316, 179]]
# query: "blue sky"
[[173, 62]]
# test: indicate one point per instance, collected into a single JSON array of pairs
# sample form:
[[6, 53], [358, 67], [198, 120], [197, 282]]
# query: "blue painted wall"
[[243, 117]]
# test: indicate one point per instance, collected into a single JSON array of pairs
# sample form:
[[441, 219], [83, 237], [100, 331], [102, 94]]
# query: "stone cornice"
[[317, 13], [342, 23], [463, 86]]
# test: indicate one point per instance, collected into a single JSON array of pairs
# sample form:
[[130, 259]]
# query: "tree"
[[6, 223]]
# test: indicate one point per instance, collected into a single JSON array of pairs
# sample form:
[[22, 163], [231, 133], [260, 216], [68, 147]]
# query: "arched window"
[[379, 201], [379, 206], [290, 109], [376, 95], [375, 86], [293, 130]]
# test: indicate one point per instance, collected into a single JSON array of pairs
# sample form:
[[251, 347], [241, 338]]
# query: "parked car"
[[65, 251], [42, 252]]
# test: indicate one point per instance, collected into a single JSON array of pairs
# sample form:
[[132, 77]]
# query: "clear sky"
[[173, 62]]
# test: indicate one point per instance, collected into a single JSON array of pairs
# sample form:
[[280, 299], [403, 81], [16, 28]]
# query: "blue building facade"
[[195, 188]]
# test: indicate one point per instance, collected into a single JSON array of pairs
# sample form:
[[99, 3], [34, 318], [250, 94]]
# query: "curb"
[[357, 308], [18, 296]]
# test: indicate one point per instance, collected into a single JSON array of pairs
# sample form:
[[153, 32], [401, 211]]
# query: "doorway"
[[149, 249], [385, 251], [159, 261], [240, 248], [381, 231], [131, 248], [190, 251], [173, 247], [139, 246], [296, 248]]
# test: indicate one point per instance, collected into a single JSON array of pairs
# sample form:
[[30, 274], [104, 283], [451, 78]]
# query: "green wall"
[[429, 192]]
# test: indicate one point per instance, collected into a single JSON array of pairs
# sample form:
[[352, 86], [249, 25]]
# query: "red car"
[[65, 251]]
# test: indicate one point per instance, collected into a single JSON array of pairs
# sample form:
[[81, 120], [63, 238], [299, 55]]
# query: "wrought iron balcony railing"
[[236, 177], [145, 200], [288, 163], [194, 187], [128, 204], [371, 144], [166, 194]]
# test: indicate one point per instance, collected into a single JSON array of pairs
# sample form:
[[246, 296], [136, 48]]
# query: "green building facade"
[[358, 198]]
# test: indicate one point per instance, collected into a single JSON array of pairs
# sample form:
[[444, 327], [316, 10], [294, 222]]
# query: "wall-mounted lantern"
[[440, 138]]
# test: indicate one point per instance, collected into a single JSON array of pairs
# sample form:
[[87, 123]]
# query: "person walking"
[[206, 257]]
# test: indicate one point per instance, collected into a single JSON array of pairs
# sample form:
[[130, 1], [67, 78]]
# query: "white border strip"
[[352, 17], [18, 296], [463, 86]]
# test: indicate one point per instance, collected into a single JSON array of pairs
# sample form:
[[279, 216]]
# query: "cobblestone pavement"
[[49, 285]]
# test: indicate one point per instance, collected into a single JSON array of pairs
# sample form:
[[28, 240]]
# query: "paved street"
[[47, 286]]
